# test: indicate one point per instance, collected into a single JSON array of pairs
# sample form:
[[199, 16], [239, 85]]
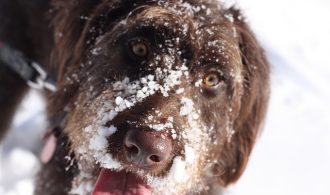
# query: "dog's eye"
[[212, 79], [139, 48]]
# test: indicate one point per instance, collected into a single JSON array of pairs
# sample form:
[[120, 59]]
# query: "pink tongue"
[[119, 183]]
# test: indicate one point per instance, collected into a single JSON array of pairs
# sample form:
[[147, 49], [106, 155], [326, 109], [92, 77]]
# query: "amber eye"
[[139, 49], [212, 79]]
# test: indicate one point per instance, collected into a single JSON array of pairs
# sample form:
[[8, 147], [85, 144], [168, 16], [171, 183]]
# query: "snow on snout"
[[127, 94]]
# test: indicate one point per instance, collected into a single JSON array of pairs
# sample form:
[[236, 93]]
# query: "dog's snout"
[[147, 149]]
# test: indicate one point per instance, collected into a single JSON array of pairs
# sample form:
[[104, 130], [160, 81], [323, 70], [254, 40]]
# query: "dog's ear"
[[233, 159]]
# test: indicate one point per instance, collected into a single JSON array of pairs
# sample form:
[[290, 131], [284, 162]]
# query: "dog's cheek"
[[80, 120], [75, 129]]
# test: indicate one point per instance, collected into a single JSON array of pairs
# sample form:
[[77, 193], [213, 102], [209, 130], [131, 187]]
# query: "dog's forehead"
[[179, 15], [205, 27]]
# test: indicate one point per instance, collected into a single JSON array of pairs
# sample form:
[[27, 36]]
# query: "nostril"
[[155, 158], [132, 150]]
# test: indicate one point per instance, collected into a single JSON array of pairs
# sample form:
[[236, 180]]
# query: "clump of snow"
[[229, 17], [187, 106], [178, 175], [179, 91], [98, 135], [198, 83], [100, 142], [84, 188], [162, 126], [178, 170], [133, 92], [96, 51], [159, 127], [107, 161], [83, 183], [208, 11], [88, 129], [174, 134], [190, 155], [230, 132]]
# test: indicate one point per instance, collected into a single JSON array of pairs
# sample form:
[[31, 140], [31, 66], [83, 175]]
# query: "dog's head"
[[159, 94]]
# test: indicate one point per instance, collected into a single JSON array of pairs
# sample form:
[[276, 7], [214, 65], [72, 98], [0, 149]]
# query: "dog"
[[152, 96]]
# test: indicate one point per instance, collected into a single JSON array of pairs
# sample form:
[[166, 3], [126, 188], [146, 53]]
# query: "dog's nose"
[[147, 149]]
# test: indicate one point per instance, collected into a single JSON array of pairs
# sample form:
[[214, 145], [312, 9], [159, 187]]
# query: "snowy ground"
[[292, 156]]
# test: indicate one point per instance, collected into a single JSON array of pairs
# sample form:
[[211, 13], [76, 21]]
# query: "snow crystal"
[[174, 134], [119, 100], [179, 91], [230, 133], [88, 129], [198, 83], [195, 115], [229, 17], [208, 11], [96, 51]]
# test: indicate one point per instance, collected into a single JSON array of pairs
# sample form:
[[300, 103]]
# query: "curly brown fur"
[[186, 41]]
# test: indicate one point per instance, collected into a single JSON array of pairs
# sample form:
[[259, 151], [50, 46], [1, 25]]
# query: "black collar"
[[34, 75]]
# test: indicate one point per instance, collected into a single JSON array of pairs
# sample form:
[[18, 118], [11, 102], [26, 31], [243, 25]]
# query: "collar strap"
[[34, 75]]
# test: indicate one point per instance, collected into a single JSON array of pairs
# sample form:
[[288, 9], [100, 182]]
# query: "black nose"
[[147, 149]]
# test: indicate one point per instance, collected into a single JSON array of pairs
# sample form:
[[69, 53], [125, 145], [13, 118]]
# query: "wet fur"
[[71, 40]]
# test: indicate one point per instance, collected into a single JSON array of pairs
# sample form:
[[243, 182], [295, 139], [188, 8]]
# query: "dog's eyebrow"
[[165, 30]]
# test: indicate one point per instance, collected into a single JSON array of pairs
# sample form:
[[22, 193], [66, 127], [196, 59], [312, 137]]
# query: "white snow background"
[[292, 155]]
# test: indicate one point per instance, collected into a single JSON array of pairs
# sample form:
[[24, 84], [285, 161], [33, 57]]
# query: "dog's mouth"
[[114, 183]]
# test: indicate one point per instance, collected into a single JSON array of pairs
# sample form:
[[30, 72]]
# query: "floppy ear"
[[233, 159]]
